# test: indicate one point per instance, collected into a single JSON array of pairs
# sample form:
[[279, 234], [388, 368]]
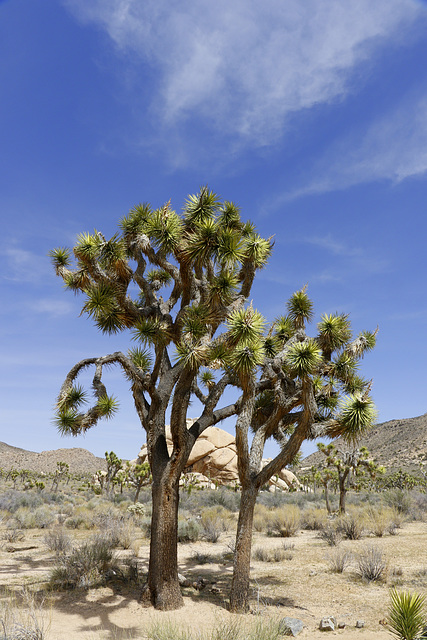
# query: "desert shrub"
[[188, 530], [12, 500], [284, 521], [314, 519], [418, 509], [406, 616], [27, 622], [380, 520], [40, 518], [261, 514], [371, 564], [85, 566], [338, 560], [12, 535], [351, 525], [212, 527], [57, 540], [224, 497], [398, 499], [277, 554], [118, 529], [331, 533]]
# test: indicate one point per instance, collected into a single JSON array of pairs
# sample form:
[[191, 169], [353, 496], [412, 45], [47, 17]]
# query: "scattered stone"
[[341, 624], [360, 624], [215, 590], [312, 573], [183, 582], [327, 623], [290, 626]]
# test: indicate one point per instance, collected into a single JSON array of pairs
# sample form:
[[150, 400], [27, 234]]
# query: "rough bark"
[[165, 592], [239, 596]]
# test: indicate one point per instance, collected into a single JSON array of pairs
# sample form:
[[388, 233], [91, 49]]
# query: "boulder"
[[214, 459]]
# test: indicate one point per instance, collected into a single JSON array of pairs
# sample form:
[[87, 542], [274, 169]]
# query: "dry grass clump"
[[235, 629], [22, 618], [331, 533], [338, 560], [214, 521], [261, 515], [314, 519], [85, 566], [284, 521], [57, 540], [352, 525], [382, 520], [371, 564], [277, 554]]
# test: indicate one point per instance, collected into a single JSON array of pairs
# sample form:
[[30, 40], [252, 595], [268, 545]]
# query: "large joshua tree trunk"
[[239, 596], [163, 584]]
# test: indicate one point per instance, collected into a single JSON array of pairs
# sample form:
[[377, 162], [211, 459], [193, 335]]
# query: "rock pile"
[[213, 460]]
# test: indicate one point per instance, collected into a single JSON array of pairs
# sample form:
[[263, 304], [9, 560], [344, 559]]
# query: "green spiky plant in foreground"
[[295, 388], [171, 280], [407, 619]]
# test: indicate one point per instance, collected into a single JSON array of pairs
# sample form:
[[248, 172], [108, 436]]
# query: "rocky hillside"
[[79, 460], [395, 444]]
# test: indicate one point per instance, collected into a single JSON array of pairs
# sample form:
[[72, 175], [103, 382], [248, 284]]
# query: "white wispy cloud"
[[51, 307], [245, 67], [21, 265], [393, 147]]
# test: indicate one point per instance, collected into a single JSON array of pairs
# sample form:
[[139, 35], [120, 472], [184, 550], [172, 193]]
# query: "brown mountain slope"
[[79, 460], [397, 444]]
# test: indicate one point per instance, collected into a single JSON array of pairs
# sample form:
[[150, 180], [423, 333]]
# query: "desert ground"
[[300, 585]]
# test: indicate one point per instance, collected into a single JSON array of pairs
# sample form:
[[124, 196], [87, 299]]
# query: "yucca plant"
[[407, 619]]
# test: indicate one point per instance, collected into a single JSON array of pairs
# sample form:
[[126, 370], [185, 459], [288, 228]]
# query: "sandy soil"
[[300, 587]]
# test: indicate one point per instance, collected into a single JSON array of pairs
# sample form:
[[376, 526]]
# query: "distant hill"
[[397, 444], [80, 460]]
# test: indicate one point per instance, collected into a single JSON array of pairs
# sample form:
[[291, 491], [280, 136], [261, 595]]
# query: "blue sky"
[[311, 116]]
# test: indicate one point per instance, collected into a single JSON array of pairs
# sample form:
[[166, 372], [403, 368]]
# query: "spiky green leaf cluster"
[[107, 406], [207, 378], [222, 288], [135, 223], [334, 332], [200, 208], [304, 358], [344, 367], [151, 332], [244, 359], [356, 415], [88, 247], [192, 356], [67, 422], [406, 615], [257, 250], [60, 257], [300, 308], [141, 358], [101, 305], [284, 329], [164, 228], [245, 326], [74, 397], [158, 275]]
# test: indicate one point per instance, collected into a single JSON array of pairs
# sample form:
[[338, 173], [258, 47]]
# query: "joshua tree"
[[191, 273], [303, 388], [356, 461]]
